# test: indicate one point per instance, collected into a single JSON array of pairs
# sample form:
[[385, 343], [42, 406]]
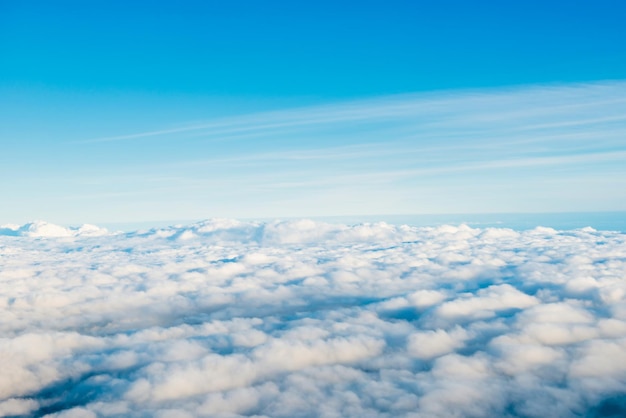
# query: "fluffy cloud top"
[[299, 318], [42, 229]]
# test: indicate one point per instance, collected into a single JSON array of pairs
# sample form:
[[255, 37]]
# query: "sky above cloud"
[[527, 149], [299, 318], [114, 112]]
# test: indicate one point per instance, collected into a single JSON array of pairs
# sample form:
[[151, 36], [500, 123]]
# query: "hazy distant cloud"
[[300, 318], [45, 229]]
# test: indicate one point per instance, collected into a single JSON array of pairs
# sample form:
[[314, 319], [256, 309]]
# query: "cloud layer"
[[301, 318]]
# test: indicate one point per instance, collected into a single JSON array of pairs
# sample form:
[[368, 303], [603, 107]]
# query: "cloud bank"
[[300, 318]]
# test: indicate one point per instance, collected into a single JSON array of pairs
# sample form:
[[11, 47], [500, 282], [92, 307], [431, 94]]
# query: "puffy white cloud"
[[299, 318], [429, 344], [42, 229], [601, 359], [486, 302], [15, 407]]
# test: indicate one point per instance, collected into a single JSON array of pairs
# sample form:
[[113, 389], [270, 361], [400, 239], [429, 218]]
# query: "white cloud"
[[486, 302], [299, 318], [42, 229], [15, 407], [429, 344]]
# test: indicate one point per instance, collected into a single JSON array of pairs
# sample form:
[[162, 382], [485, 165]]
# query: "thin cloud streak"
[[503, 150], [421, 110]]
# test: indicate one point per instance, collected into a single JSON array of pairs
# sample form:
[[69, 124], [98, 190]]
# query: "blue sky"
[[159, 110]]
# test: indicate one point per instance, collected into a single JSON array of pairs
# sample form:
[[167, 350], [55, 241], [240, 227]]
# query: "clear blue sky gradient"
[[129, 111]]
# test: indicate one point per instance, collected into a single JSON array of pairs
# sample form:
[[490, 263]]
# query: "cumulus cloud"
[[486, 302], [39, 229], [301, 318], [429, 344]]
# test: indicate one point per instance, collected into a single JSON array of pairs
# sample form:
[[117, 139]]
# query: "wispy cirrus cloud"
[[499, 150], [513, 109]]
